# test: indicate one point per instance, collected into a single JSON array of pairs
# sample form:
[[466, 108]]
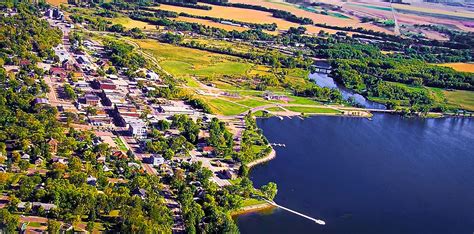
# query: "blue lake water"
[[388, 175]]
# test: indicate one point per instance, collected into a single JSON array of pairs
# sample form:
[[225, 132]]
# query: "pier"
[[318, 221], [278, 144]]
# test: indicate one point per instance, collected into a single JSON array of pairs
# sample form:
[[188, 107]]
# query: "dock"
[[318, 221], [278, 144]]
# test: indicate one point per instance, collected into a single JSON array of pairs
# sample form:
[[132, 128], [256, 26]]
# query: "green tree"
[[269, 190], [53, 226]]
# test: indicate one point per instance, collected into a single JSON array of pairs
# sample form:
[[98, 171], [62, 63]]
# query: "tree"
[[70, 92], [9, 220], [269, 190], [53, 226], [90, 226], [24, 164]]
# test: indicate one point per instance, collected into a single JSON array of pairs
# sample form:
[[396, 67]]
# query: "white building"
[[137, 127]]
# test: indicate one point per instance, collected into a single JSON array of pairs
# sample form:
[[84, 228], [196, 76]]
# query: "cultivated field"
[[56, 2], [211, 24], [244, 15], [317, 18], [464, 67]]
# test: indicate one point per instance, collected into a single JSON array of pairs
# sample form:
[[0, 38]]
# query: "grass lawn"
[[302, 101], [223, 107], [312, 110], [35, 224], [258, 148], [251, 202], [261, 113], [120, 144], [275, 109], [462, 98], [250, 102], [130, 23]]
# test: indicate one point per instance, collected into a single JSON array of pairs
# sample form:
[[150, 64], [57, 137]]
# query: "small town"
[[127, 120]]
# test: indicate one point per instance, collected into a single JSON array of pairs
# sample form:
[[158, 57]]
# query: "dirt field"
[[464, 67]]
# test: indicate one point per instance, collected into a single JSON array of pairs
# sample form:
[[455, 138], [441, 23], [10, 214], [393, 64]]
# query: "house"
[[39, 161], [119, 155], [53, 145], [227, 174], [91, 99], [105, 84], [91, 180], [209, 150], [36, 205], [156, 160], [25, 157], [58, 72], [139, 192], [151, 75], [174, 110], [137, 127], [41, 101]]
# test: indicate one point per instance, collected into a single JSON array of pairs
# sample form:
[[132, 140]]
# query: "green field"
[[253, 102], [120, 144], [462, 98], [223, 107], [275, 109], [312, 110], [251, 202]]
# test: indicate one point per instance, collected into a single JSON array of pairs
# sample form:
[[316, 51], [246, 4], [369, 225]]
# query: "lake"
[[388, 175]]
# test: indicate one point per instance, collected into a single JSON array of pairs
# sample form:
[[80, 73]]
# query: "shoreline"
[[267, 158], [252, 209]]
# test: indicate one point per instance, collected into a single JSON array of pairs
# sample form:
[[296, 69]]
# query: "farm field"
[[317, 18], [244, 15], [462, 98], [438, 10], [211, 23], [463, 67], [56, 2]]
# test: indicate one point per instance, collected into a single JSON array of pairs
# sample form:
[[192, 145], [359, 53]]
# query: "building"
[[91, 99], [174, 110], [209, 150], [125, 111], [58, 72], [36, 205], [91, 180], [105, 84], [277, 97], [41, 101], [137, 127], [156, 160], [151, 75], [53, 145]]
